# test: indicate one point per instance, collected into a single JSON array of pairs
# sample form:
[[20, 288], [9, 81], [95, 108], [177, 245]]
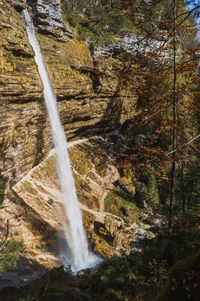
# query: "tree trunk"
[[183, 188], [174, 133]]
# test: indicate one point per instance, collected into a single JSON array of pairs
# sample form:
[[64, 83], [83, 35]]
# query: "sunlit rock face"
[[35, 202], [132, 44], [35, 205], [48, 18], [91, 102]]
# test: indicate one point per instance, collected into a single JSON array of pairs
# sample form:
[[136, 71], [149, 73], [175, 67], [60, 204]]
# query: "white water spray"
[[80, 256]]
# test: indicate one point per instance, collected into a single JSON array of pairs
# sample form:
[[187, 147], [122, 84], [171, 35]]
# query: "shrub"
[[152, 190], [9, 254]]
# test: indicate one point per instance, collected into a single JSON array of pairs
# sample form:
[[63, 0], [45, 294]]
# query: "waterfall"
[[80, 256]]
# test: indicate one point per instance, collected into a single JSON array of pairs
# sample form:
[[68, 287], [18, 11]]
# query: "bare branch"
[[185, 144]]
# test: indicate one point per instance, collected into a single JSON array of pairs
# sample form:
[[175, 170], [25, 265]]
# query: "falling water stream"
[[80, 257]]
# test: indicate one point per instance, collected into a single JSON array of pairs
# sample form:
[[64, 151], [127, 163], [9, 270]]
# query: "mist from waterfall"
[[80, 257]]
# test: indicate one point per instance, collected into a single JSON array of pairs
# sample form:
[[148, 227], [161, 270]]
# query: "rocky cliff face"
[[90, 98], [91, 102], [47, 16]]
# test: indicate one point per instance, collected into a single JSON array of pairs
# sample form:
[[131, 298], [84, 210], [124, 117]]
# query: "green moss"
[[116, 199], [80, 161], [129, 205], [81, 184], [87, 156], [97, 156], [72, 101], [101, 168], [128, 183]]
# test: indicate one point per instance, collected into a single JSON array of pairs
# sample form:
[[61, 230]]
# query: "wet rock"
[[153, 221], [83, 273], [62, 272]]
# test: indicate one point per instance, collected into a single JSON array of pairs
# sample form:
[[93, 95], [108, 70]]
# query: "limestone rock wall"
[[48, 18], [91, 102], [90, 98]]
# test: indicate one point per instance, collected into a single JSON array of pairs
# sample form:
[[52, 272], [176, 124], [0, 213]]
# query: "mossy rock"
[[128, 184], [80, 161], [97, 156], [117, 200]]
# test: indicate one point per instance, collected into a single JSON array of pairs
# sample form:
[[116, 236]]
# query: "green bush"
[[9, 255], [99, 20], [70, 14], [152, 190]]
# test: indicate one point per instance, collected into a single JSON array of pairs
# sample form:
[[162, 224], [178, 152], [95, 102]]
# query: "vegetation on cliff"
[[9, 249], [161, 144], [155, 152]]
